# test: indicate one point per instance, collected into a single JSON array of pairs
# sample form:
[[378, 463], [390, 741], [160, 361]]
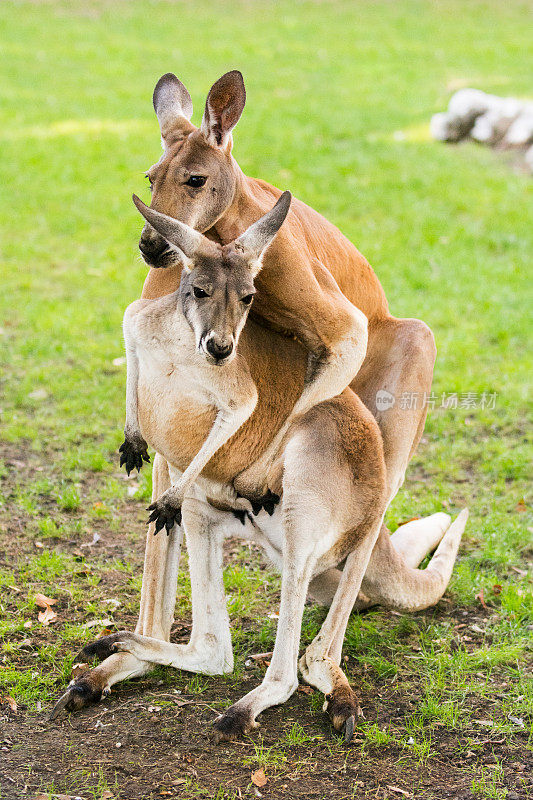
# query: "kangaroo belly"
[[176, 416], [174, 422]]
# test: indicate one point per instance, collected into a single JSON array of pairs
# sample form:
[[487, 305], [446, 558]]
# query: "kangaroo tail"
[[392, 579]]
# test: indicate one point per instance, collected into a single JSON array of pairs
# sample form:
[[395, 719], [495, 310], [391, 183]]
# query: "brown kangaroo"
[[314, 287]]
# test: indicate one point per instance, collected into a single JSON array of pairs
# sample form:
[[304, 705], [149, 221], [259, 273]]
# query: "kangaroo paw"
[[165, 513], [133, 451], [100, 648]]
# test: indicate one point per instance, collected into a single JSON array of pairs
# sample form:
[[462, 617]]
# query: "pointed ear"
[[223, 108], [175, 232], [258, 236], [172, 103]]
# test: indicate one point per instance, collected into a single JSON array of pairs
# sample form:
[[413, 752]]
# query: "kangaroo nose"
[[217, 350]]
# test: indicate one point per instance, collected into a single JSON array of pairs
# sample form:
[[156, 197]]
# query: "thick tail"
[[391, 579]]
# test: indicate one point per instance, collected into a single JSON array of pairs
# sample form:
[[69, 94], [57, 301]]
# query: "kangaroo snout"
[[219, 350]]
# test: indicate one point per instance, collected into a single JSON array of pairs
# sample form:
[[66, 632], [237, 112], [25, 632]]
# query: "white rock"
[[520, 131], [491, 127], [445, 127], [466, 102]]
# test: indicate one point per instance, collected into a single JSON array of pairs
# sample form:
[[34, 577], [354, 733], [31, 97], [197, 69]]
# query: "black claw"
[[256, 507], [241, 515], [348, 729]]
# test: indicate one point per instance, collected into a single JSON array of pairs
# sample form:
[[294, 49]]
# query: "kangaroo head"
[[194, 181], [217, 281]]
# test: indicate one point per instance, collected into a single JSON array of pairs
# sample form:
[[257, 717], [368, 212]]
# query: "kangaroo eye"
[[199, 292], [196, 181], [247, 299]]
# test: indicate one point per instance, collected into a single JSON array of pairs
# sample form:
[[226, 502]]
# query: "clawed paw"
[[232, 725], [133, 452], [268, 501], [165, 513]]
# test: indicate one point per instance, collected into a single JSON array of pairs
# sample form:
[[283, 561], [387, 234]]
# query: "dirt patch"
[[150, 742]]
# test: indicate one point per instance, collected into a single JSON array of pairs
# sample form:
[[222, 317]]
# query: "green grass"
[[339, 99]]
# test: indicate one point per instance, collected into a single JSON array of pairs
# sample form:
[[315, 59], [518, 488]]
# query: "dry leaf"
[[43, 602], [521, 506], [497, 588], [259, 778], [38, 544], [47, 616], [481, 597], [521, 572], [96, 537], [95, 622], [9, 701], [28, 623], [107, 795], [304, 689], [38, 394], [79, 669], [398, 790]]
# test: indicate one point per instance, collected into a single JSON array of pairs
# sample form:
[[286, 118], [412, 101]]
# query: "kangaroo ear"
[[258, 236], [175, 232], [223, 108], [172, 103]]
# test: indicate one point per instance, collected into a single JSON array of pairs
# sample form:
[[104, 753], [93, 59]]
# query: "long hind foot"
[[96, 683], [341, 703]]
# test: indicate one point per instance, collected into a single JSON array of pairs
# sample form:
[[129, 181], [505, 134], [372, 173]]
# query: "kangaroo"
[[311, 281], [203, 390]]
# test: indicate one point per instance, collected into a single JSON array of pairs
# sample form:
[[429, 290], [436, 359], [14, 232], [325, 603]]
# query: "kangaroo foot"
[[343, 710], [233, 724], [85, 691]]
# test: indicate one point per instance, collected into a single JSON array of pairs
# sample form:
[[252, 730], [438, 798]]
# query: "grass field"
[[339, 99]]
